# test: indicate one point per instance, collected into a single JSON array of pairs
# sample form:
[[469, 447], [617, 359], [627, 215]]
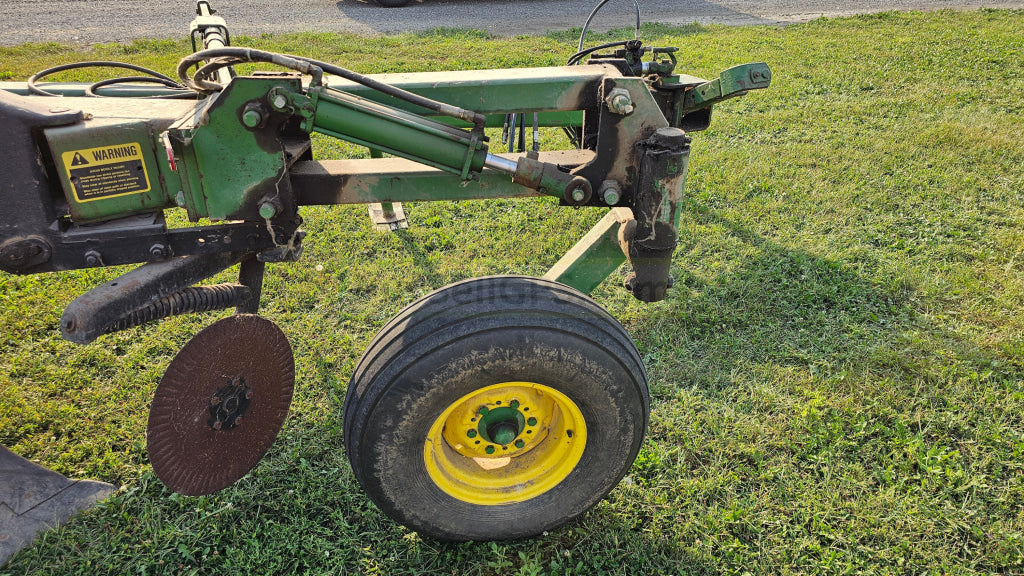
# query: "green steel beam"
[[735, 81], [365, 181], [595, 256]]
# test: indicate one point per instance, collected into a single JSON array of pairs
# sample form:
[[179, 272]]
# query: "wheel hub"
[[505, 442]]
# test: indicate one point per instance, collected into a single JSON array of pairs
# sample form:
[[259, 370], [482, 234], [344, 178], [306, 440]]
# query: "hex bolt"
[[252, 117], [578, 195], [93, 258], [619, 101], [611, 192], [279, 101], [268, 210], [218, 425], [158, 251]]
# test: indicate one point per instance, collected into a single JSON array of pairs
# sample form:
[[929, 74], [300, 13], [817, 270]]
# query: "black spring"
[[187, 301]]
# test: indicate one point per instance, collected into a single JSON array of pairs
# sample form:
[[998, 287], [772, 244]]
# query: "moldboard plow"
[[493, 408]]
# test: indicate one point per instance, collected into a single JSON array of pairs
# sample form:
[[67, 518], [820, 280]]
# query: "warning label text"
[[107, 171]]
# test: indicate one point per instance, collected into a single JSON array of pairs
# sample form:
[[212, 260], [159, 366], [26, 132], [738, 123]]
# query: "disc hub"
[[228, 405]]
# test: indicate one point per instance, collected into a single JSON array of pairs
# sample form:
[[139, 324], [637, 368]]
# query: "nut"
[[619, 101], [93, 258]]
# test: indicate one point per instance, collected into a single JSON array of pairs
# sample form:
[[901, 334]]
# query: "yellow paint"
[[460, 466]]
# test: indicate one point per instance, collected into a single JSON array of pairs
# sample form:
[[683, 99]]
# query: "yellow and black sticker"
[[106, 172]]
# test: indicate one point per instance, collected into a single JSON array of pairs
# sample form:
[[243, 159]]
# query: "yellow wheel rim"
[[505, 443]]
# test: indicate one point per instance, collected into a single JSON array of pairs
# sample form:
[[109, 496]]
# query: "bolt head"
[[578, 195], [267, 210], [252, 118]]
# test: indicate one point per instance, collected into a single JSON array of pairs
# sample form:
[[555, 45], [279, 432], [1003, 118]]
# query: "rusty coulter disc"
[[220, 404]]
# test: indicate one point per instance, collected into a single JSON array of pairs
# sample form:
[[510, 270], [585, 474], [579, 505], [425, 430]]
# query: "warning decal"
[[106, 172]]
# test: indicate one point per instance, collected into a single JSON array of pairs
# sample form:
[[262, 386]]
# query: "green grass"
[[836, 378]]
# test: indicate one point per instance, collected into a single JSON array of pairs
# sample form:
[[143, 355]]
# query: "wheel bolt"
[[471, 433], [520, 443], [532, 421], [489, 449]]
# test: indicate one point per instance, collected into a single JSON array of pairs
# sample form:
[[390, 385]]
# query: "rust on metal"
[[244, 362]]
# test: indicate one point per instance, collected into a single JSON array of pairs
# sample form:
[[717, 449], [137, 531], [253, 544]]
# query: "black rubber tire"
[[393, 3], [465, 337]]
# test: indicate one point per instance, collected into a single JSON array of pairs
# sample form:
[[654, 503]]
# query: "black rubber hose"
[[31, 83], [594, 13], [221, 57], [575, 58], [185, 92]]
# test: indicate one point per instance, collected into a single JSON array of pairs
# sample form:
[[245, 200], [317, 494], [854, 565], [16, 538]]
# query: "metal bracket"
[[387, 216]]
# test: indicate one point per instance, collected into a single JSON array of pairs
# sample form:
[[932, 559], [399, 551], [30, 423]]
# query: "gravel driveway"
[[89, 21]]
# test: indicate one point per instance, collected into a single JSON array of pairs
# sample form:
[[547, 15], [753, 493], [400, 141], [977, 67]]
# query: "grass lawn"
[[837, 378]]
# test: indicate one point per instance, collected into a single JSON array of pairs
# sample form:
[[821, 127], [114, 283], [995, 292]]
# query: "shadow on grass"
[[790, 308]]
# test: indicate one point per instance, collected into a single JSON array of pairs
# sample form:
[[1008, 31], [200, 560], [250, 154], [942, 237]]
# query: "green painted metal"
[[364, 181], [501, 425], [122, 184], [129, 91], [595, 256], [400, 133], [735, 81], [227, 168], [563, 88]]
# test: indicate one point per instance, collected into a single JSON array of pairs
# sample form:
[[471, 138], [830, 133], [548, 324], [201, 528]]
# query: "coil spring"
[[187, 301]]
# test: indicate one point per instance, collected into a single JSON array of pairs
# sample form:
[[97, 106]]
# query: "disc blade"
[[220, 404]]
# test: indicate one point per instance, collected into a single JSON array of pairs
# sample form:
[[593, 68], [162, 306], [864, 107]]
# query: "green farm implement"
[[493, 408]]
